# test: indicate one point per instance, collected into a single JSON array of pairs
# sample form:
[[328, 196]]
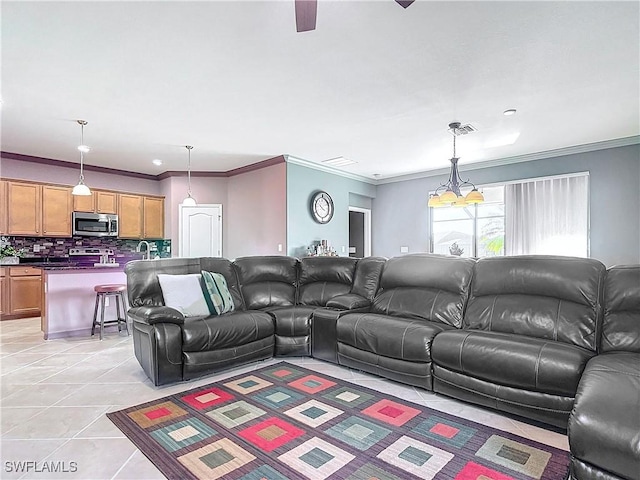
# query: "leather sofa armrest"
[[350, 301], [156, 314], [324, 336]]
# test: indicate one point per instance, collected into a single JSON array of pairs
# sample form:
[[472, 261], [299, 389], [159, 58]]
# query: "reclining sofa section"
[[604, 426], [274, 300], [531, 325]]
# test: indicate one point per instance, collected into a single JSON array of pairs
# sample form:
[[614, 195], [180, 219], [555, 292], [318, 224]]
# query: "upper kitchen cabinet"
[[3, 207], [130, 217], [153, 214], [98, 202], [24, 208], [56, 211]]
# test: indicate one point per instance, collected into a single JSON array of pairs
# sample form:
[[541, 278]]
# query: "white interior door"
[[200, 231]]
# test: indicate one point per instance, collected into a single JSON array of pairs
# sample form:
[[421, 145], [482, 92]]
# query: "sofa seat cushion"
[[292, 321], [605, 423], [230, 330], [513, 360], [394, 337]]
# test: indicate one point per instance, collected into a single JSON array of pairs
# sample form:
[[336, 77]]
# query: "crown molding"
[[325, 168], [558, 152]]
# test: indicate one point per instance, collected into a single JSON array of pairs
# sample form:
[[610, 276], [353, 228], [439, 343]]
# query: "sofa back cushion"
[[143, 288], [367, 278], [542, 296], [322, 278], [425, 286], [225, 268], [267, 281], [621, 326]]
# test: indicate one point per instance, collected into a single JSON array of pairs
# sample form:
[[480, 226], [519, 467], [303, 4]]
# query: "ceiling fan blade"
[[404, 3], [306, 11]]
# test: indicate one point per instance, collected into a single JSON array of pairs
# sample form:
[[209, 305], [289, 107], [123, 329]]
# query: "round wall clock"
[[322, 207]]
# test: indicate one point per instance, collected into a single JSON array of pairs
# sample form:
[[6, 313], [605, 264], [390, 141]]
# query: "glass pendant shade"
[[448, 197], [434, 201], [81, 189], [189, 201], [474, 196]]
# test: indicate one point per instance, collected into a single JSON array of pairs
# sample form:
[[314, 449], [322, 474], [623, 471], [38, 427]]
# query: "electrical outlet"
[[404, 249], [344, 249]]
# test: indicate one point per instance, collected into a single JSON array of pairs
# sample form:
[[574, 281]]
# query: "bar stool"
[[102, 293]]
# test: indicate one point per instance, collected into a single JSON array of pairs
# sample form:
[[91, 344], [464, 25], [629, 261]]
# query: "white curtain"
[[548, 217]]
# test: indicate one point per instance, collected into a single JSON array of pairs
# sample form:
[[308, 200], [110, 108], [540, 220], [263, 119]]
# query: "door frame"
[[367, 228], [200, 205]]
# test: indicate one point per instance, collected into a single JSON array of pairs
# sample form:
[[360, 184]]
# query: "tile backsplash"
[[59, 247]]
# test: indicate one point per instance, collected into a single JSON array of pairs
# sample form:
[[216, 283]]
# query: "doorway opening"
[[359, 232]]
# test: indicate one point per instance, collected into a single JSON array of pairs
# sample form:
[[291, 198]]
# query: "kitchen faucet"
[[147, 254]]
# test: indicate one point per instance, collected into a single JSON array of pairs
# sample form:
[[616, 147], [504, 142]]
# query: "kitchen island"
[[68, 298]]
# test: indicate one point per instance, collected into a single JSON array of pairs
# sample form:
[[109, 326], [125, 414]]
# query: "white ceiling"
[[374, 82]]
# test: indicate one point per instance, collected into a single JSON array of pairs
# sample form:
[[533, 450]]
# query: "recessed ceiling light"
[[156, 161], [511, 111]]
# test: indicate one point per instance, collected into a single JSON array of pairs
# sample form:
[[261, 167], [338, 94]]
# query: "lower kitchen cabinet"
[[21, 292]]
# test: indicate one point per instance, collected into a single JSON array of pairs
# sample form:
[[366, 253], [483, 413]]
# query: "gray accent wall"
[[302, 230], [400, 216]]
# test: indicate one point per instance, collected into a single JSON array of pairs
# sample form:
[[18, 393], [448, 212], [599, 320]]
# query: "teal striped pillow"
[[216, 293]]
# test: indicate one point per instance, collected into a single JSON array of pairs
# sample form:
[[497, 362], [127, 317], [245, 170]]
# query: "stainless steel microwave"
[[94, 224]]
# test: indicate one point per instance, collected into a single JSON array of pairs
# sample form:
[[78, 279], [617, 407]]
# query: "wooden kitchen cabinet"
[[4, 297], [56, 211], [106, 202], [153, 214], [24, 208], [130, 217], [23, 291], [100, 201], [3, 207]]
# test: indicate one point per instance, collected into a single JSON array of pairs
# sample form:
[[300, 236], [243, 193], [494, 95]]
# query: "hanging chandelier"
[[450, 191], [189, 201], [81, 188]]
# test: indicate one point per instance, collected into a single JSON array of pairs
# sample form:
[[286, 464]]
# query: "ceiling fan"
[[306, 12]]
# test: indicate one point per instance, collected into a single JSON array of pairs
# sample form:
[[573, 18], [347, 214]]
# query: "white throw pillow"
[[184, 293]]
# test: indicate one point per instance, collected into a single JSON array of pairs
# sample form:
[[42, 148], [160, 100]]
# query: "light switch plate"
[[404, 249]]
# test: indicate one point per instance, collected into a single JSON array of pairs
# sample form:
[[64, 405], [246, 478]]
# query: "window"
[[538, 216], [471, 231]]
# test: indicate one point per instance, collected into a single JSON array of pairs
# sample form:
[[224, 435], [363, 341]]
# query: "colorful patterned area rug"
[[284, 422]]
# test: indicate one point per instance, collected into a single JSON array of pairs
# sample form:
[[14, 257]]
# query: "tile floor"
[[54, 395]]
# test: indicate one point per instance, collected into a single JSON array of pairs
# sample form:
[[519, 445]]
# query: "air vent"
[[462, 129], [339, 162]]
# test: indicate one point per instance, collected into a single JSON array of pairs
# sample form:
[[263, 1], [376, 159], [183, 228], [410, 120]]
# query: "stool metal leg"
[[95, 316], [124, 312], [102, 297]]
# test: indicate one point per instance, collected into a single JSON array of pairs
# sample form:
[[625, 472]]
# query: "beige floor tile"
[[7, 348], [102, 427], [7, 389], [129, 371], [110, 394], [62, 360], [139, 467], [95, 458], [82, 372], [40, 395], [11, 417], [19, 360], [15, 454], [56, 422], [31, 375]]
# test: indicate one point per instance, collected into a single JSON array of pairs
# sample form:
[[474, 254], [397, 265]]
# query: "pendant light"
[[452, 197], [189, 201], [81, 188]]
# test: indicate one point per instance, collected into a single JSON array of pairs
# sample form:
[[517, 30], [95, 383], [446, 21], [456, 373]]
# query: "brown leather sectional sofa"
[[552, 339]]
